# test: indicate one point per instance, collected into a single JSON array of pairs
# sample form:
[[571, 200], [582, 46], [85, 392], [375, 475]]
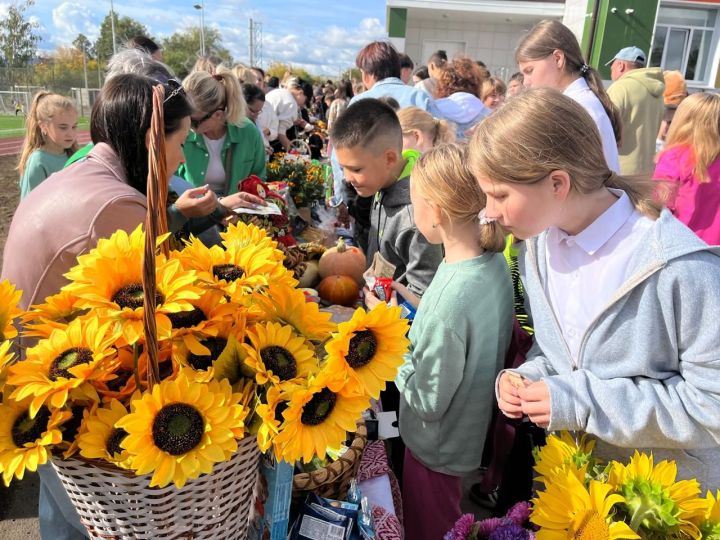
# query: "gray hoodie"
[[648, 370], [393, 233]]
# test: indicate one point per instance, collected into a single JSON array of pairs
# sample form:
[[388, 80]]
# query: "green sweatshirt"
[[458, 343], [39, 166]]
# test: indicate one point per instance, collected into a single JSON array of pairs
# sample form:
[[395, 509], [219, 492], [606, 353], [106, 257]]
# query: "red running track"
[[9, 147]]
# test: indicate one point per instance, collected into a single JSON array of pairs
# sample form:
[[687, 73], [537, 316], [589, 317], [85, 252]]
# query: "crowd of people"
[[554, 237]]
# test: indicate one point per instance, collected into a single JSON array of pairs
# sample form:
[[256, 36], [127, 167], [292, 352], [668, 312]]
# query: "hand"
[[535, 399], [196, 202], [371, 299], [509, 400], [412, 299], [242, 200]]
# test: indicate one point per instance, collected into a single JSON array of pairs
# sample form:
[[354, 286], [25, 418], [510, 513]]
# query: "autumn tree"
[[182, 49], [279, 69]]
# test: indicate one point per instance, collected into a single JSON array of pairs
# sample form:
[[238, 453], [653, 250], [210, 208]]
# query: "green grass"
[[14, 126]]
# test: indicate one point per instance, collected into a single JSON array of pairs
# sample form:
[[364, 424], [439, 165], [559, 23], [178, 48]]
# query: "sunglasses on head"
[[196, 123], [173, 87]]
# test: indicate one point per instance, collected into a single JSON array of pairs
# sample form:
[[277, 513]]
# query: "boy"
[[368, 141]]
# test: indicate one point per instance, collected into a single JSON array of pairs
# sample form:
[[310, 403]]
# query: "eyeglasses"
[[255, 111], [196, 123]]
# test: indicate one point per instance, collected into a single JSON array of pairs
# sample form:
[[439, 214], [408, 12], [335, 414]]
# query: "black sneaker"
[[486, 500]]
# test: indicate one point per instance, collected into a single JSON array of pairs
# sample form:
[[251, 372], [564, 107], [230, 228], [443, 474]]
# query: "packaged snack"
[[379, 277]]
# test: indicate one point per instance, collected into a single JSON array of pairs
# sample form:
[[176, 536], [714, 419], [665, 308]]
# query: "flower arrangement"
[[305, 179], [239, 353], [583, 499]]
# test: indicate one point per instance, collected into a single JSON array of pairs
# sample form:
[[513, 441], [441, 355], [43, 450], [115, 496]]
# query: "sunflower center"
[[204, 361], [70, 428], [178, 428], [121, 378], [318, 408], [228, 272], [279, 410], [60, 367], [594, 527], [27, 430], [112, 445], [363, 346], [132, 296], [280, 361], [187, 319]]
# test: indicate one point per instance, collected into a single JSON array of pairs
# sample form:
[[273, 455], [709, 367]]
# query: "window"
[[683, 38]]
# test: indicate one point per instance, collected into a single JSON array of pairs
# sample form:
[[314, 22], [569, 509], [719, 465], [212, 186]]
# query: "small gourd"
[[340, 290], [343, 260]]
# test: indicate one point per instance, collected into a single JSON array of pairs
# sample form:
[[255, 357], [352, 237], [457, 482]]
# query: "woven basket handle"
[[155, 225]]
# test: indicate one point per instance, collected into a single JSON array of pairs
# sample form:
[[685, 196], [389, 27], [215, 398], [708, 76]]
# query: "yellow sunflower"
[[370, 346], [287, 305], [203, 355], [109, 279], [6, 360], [709, 524], [182, 428], [269, 418], [564, 453], [100, 439], [277, 354], [57, 311], [26, 440], [242, 234], [566, 510], [655, 500], [9, 310], [211, 312], [64, 364], [319, 416]]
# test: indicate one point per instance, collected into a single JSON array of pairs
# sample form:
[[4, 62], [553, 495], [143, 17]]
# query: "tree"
[[352, 74], [125, 28], [279, 69], [83, 44], [181, 50], [18, 40]]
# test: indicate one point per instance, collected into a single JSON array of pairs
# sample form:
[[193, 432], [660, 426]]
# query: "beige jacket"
[[64, 217]]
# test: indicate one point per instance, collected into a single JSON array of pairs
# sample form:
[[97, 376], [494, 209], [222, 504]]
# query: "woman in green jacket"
[[224, 147]]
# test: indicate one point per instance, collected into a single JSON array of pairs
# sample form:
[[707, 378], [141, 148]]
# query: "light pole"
[[201, 7], [112, 25]]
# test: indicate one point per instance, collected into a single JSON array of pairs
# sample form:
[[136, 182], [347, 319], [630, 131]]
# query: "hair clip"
[[177, 88], [484, 220], [584, 69]]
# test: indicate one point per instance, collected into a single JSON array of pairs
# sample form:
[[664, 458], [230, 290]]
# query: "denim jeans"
[[57, 515]]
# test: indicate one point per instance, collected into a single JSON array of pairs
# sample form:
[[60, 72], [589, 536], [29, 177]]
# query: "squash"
[[340, 290], [311, 276], [342, 260]]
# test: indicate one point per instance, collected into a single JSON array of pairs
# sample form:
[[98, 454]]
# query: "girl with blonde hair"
[[421, 131], [550, 56], [691, 162], [492, 93], [50, 139], [624, 299], [446, 380], [224, 146]]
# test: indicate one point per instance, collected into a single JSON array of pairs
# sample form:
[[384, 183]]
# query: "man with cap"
[[637, 91]]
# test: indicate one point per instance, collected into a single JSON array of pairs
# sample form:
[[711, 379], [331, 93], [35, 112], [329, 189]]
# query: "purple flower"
[[487, 526], [509, 531], [520, 513], [461, 529]]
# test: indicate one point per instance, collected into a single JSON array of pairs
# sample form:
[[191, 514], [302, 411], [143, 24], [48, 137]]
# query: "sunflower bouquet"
[[306, 179], [239, 354]]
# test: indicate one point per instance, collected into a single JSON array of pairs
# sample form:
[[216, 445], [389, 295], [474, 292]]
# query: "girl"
[[446, 380], [50, 139], [691, 160], [493, 93], [421, 131], [623, 298], [550, 56]]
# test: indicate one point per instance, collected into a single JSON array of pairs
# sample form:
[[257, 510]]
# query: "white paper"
[[271, 209]]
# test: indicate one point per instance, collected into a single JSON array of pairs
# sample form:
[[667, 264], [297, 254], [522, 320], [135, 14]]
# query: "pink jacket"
[[63, 218], [694, 203]]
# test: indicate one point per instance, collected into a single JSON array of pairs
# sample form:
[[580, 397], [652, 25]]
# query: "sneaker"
[[486, 500]]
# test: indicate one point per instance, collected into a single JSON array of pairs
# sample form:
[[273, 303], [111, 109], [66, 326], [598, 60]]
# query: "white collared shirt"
[[580, 92], [585, 271]]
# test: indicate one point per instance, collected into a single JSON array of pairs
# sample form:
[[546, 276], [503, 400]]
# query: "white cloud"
[[71, 19]]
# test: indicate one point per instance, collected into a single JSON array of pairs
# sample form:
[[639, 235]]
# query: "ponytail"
[[440, 131], [220, 91], [444, 132], [594, 82]]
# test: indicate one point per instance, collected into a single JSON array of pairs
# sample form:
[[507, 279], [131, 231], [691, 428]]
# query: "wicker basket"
[[115, 504], [332, 481]]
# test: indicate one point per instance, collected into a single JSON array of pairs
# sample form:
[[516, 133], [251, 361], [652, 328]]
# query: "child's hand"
[[508, 396], [412, 299], [535, 399], [371, 299]]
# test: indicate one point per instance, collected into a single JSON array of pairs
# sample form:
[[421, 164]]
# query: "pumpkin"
[[311, 276], [340, 290], [343, 260]]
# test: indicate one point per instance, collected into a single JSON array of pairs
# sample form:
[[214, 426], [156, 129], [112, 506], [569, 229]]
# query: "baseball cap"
[[631, 54]]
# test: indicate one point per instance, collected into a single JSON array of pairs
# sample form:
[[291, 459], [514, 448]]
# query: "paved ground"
[[18, 509]]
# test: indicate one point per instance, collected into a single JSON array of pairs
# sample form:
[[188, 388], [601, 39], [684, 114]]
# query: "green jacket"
[[248, 156]]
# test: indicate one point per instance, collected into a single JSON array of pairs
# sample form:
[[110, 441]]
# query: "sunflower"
[[287, 305], [268, 415], [100, 439], [9, 311], [109, 279], [319, 416], [563, 453], [204, 354], [64, 365], [655, 500], [182, 428], [370, 346], [210, 314], [57, 311], [567, 510], [709, 525], [241, 234], [277, 354], [6, 360], [25, 439]]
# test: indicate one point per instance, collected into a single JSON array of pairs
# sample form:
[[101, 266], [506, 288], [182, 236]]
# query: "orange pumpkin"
[[343, 260], [341, 290]]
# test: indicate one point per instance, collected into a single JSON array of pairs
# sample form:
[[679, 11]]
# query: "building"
[[678, 34]]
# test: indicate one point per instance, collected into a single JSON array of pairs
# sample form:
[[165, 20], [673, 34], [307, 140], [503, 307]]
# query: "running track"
[[9, 147]]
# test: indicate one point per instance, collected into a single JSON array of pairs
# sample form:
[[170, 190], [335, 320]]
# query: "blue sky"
[[321, 36]]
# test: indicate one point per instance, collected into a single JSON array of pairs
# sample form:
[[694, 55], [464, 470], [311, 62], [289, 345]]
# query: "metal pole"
[[251, 47], [202, 27], [112, 25]]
